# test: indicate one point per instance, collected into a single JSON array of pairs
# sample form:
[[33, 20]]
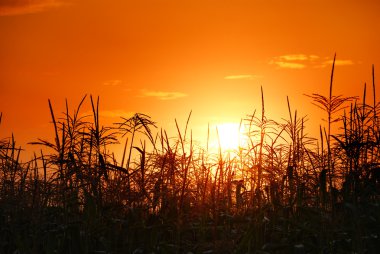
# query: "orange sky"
[[167, 57]]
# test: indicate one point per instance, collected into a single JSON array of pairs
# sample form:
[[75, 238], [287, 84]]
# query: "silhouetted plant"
[[331, 105]]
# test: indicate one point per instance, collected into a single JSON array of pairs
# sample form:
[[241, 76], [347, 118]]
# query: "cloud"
[[114, 82], [340, 62], [313, 57], [289, 65], [301, 61], [329, 63], [299, 57], [293, 61], [20, 7], [244, 76], [161, 95]]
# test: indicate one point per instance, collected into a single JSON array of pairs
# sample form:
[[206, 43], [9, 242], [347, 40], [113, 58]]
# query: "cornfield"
[[283, 192]]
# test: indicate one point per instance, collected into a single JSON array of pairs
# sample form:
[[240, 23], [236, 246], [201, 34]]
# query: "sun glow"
[[229, 137]]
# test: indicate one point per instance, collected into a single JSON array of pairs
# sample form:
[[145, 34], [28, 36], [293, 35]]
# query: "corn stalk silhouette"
[[138, 123], [79, 152], [331, 105]]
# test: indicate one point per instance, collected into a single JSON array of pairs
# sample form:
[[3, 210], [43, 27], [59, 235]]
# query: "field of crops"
[[283, 192]]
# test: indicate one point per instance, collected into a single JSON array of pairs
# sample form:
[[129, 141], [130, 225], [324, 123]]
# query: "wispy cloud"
[[161, 95], [20, 7], [113, 82], [116, 83], [340, 62], [293, 61], [243, 76], [301, 61], [299, 57], [289, 65]]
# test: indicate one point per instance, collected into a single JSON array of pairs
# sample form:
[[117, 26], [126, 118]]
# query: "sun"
[[229, 136]]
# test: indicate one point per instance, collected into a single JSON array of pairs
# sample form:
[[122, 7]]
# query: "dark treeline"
[[283, 192]]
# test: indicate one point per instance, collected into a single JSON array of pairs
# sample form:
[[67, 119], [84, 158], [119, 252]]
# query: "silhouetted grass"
[[284, 192]]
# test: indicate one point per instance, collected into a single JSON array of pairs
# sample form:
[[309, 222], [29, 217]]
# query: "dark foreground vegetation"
[[284, 192]]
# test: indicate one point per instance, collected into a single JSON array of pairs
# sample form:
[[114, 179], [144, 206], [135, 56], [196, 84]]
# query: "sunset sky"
[[165, 58]]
